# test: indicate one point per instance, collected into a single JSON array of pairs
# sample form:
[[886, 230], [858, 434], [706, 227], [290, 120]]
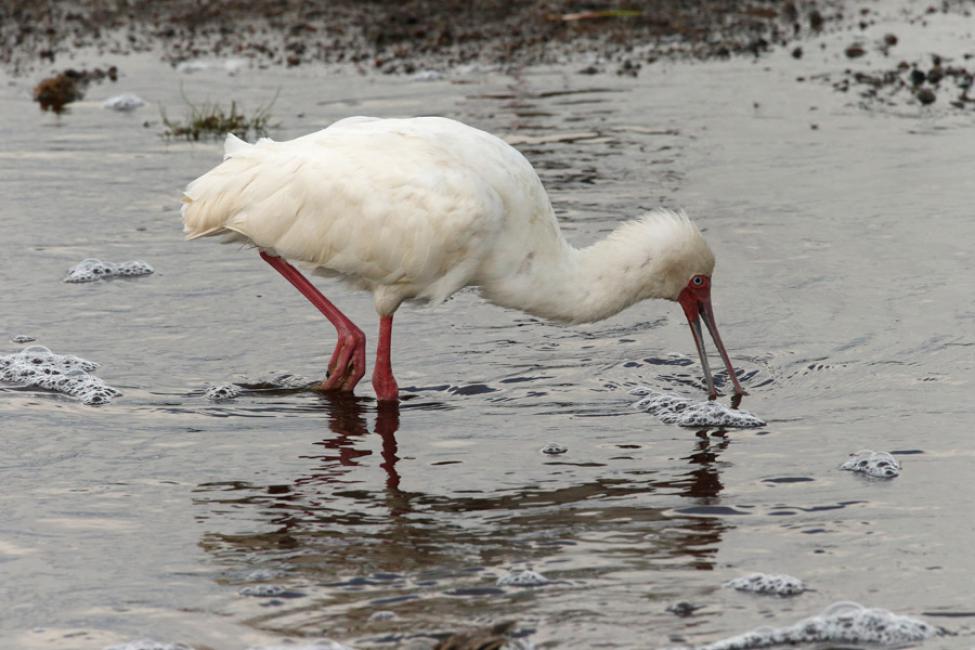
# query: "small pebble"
[[855, 51], [683, 608], [926, 96], [23, 338]]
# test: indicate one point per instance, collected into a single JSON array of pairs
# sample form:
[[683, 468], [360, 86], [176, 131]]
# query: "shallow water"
[[842, 292]]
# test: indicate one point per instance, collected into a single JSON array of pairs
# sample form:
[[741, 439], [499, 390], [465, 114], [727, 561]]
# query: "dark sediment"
[[408, 35]]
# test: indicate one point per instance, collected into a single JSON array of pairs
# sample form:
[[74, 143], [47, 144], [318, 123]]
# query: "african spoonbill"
[[420, 208]]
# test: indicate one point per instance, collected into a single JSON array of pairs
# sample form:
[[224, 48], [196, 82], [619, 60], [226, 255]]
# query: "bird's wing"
[[385, 207]]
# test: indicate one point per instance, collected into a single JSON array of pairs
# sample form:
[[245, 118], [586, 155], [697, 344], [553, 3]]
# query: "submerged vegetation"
[[212, 120]]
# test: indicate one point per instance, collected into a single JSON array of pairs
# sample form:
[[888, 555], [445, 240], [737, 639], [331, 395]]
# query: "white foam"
[[123, 103], [428, 75], [326, 644], [264, 591], [221, 392], [38, 367], [876, 464], [841, 622], [148, 644], [92, 269], [764, 583], [23, 338], [526, 578], [673, 409], [383, 615]]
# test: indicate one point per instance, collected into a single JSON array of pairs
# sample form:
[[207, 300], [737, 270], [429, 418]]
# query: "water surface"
[[842, 290]]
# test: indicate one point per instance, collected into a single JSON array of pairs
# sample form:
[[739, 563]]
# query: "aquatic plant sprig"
[[212, 120]]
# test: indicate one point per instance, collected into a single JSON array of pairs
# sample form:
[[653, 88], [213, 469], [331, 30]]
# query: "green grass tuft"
[[211, 120]]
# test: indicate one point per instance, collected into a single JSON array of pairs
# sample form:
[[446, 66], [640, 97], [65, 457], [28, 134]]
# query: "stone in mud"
[[763, 583], [926, 96], [683, 608], [844, 622], [855, 51], [876, 464], [684, 412]]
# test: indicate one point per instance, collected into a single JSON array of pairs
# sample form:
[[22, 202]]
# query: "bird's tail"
[[213, 199]]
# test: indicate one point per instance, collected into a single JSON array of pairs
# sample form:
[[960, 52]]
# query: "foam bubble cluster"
[[876, 464], [38, 367], [527, 578], [23, 338], [221, 392], [123, 103], [92, 269], [841, 622], [327, 644], [684, 412], [148, 644], [763, 583]]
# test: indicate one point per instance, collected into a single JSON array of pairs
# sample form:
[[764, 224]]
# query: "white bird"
[[417, 209]]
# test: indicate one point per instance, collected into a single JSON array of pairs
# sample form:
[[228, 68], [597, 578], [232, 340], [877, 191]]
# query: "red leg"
[[348, 362], [382, 375]]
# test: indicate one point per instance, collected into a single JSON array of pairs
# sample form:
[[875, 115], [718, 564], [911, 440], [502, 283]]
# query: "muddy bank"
[[402, 37]]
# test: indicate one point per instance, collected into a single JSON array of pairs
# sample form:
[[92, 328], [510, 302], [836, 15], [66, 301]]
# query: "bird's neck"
[[583, 285]]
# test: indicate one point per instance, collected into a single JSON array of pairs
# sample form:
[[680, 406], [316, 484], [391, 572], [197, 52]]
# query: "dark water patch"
[[711, 511], [789, 479], [471, 389], [516, 380]]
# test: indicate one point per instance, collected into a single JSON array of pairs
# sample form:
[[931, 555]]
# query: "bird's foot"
[[348, 363], [385, 386]]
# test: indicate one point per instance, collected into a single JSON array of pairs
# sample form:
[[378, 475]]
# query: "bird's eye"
[[697, 280]]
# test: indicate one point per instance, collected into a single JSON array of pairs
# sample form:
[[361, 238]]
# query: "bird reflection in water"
[[358, 536]]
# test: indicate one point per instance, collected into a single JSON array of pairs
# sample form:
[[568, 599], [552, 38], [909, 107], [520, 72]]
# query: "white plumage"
[[420, 208]]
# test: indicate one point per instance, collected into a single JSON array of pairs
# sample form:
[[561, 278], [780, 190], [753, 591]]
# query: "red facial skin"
[[695, 298]]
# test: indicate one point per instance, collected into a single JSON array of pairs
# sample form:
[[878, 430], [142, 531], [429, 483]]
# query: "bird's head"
[[695, 299], [684, 265]]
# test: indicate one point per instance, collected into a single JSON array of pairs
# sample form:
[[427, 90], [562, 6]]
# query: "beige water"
[[843, 290]]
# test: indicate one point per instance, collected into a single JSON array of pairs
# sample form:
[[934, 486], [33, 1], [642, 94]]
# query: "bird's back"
[[423, 205]]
